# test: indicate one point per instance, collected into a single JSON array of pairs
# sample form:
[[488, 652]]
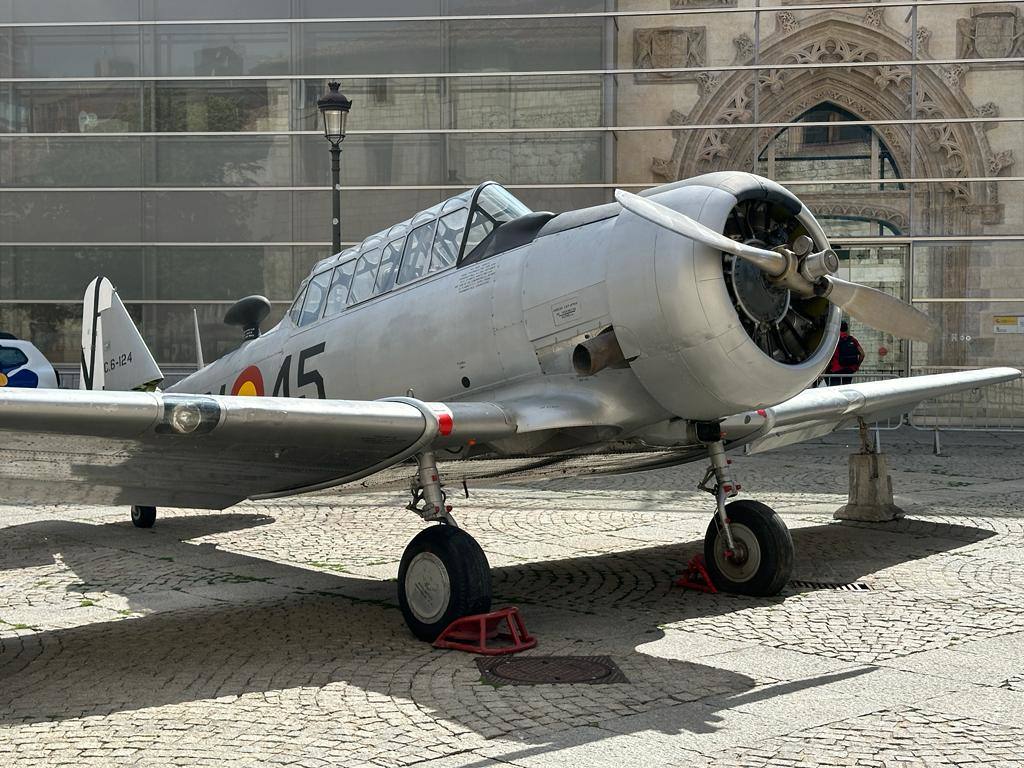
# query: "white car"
[[22, 365]]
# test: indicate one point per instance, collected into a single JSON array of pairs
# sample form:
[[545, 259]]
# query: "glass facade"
[[174, 145]]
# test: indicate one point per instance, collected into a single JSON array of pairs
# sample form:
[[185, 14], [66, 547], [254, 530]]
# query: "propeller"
[[808, 275]]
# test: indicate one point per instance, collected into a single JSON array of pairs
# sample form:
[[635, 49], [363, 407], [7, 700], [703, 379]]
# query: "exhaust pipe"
[[596, 354]]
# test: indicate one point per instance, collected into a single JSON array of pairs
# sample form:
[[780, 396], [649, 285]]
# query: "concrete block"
[[870, 491]]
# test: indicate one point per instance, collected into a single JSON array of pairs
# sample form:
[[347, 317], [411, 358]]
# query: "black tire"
[[442, 552], [143, 517], [765, 551]]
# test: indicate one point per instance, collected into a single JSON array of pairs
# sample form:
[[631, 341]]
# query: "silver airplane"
[[481, 340]]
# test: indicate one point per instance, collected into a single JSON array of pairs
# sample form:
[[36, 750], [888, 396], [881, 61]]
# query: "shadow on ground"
[[307, 628]]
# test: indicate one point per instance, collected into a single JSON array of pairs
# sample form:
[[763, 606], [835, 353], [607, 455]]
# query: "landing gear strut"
[[444, 574], [747, 547]]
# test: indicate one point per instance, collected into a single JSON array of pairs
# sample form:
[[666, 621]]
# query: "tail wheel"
[[143, 517], [444, 575], [763, 558]]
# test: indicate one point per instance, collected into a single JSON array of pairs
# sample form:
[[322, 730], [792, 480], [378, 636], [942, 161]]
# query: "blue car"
[[22, 365]]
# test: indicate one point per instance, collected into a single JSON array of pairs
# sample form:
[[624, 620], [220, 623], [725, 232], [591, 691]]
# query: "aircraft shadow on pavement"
[[308, 628]]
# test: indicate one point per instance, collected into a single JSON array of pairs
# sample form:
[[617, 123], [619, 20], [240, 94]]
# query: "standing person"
[[846, 359]]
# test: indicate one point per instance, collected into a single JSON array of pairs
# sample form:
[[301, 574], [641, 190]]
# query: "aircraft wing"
[[212, 451], [816, 412]]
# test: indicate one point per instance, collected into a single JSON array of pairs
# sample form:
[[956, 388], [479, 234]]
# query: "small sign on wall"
[[1008, 324]]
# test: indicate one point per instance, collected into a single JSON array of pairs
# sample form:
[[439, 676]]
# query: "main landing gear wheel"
[[763, 557], [143, 517], [444, 576]]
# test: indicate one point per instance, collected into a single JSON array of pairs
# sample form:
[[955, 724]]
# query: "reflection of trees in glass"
[[56, 329]]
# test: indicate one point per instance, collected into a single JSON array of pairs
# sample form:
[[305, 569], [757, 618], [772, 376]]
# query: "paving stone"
[[269, 635]]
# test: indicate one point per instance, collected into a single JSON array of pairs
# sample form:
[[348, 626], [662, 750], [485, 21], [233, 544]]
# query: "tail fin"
[[114, 356]]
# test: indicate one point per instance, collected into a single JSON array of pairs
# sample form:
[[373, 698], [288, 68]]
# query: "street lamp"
[[334, 107]]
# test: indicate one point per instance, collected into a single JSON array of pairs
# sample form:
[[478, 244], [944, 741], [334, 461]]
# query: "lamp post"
[[334, 107]]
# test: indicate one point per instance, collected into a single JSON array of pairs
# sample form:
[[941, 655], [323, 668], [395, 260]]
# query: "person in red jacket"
[[846, 359]]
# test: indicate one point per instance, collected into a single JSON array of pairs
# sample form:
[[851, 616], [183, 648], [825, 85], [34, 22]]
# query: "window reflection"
[[222, 106], [339, 288], [448, 239], [72, 108], [417, 253], [76, 52], [222, 50], [389, 266], [316, 293], [365, 277]]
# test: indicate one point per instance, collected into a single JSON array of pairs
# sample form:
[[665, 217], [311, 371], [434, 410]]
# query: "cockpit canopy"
[[432, 240]]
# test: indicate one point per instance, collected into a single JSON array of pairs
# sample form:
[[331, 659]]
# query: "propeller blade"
[[768, 261], [879, 310]]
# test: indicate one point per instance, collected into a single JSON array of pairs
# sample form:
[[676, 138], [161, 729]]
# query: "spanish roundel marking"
[[249, 383]]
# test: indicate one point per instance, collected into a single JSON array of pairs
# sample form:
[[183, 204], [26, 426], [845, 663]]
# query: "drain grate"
[[541, 670], [852, 586]]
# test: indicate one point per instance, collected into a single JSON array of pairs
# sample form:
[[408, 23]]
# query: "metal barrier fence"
[[996, 408]]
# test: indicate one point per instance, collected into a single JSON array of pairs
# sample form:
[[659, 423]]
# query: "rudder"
[[114, 356]]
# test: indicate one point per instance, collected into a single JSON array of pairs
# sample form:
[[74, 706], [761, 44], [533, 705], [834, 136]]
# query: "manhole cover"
[[853, 586], [537, 670]]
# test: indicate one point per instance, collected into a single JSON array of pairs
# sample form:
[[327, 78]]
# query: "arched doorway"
[[880, 96]]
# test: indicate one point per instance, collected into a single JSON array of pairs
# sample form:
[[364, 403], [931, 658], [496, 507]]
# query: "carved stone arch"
[[942, 150]]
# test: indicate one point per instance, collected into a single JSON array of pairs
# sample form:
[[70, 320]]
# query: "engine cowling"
[[707, 335]]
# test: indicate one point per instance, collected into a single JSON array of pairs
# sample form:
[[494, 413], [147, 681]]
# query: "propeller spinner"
[[809, 274]]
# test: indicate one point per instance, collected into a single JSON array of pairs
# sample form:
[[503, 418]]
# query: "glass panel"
[[218, 161], [882, 267], [541, 158], [215, 9], [243, 105], [71, 162], [55, 329], [219, 217], [326, 9], [829, 153], [417, 253], [365, 277], [493, 206], [395, 103], [72, 217], [223, 273], [76, 52], [980, 333], [525, 102], [72, 108], [316, 293], [339, 288], [370, 47], [388, 267], [167, 329], [221, 50], [448, 239], [517, 45], [363, 213], [374, 161], [44, 272], [296, 309], [80, 10]]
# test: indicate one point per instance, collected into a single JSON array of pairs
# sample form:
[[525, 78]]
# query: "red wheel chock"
[[474, 633], [697, 577]]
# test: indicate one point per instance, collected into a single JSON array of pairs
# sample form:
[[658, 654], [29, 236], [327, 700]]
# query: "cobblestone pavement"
[[271, 636]]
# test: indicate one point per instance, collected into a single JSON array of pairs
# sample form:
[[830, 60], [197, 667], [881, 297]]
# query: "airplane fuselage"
[[504, 329]]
